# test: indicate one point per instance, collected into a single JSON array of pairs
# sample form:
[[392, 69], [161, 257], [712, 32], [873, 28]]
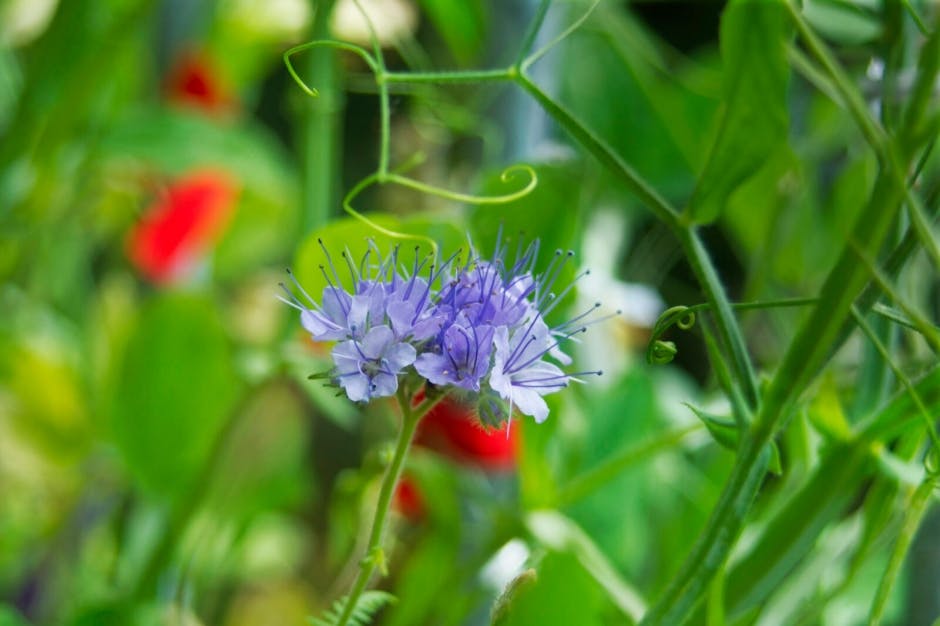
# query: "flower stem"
[[374, 557]]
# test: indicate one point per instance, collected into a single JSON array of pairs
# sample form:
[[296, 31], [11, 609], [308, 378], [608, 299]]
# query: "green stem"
[[914, 515], [410, 416], [449, 78], [727, 326], [321, 141]]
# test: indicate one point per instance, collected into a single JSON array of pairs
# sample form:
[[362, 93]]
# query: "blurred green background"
[[163, 458]]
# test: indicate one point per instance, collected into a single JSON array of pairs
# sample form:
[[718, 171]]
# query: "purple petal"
[[376, 341], [335, 305], [400, 314], [384, 385], [319, 327], [356, 386], [435, 368], [399, 356], [358, 314], [346, 352]]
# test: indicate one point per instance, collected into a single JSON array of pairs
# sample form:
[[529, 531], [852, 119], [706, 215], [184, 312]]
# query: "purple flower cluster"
[[478, 327]]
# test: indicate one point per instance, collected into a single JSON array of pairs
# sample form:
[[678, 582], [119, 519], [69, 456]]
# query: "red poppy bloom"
[[453, 429], [196, 83], [185, 220]]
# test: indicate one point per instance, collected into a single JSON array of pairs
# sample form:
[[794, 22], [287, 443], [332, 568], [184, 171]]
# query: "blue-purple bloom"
[[479, 328]]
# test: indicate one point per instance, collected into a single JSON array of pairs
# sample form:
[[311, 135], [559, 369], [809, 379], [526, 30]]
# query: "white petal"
[[530, 403]]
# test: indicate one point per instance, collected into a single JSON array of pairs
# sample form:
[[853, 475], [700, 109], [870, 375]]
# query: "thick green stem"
[[322, 116], [410, 416]]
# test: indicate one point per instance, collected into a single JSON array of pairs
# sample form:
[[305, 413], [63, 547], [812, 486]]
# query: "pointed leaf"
[[753, 120]]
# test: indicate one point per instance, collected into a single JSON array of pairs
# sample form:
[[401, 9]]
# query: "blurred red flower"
[[408, 499], [195, 82], [184, 221], [453, 429]]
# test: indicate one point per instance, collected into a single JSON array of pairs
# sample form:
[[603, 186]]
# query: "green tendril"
[[538, 54], [324, 43], [398, 179], [393, 234], [659, 352]]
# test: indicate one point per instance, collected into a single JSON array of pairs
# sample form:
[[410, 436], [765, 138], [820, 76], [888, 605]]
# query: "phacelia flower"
[[186, 220], [478, 329]]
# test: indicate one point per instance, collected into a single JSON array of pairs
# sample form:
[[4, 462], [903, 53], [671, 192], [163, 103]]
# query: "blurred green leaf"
[[263, 464], [754, 117], [354, 235], [849, 22], [654, 124], [461, 24], [174, 393], [554, 530], [10, 617], [549, 212], [563, 594], [175, 141]]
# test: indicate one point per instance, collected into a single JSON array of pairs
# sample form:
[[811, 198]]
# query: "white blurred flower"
[[21, 21], [611, 343], [270, 18], [392, 20]]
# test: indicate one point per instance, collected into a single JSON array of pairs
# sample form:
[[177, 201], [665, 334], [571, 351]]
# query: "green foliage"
[[164, 458], [462, 25], [753, 119], [166, 420], [369, 603]]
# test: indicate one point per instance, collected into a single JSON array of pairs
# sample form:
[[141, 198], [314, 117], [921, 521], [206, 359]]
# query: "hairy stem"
[[410, 416]]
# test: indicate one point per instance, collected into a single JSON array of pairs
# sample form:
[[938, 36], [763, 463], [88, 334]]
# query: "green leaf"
[[850, 22], [753, 119], [369, 603], [722, 429], [562, 535], [549, 212], [728, 435], [175, 390], [461, 25]]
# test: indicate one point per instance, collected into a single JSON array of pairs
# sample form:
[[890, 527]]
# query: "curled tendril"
[[507, 175], [398, 179], [325, 43], [659, 352]]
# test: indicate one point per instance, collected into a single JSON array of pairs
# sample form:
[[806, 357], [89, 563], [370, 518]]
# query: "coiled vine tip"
[[659, 352]]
